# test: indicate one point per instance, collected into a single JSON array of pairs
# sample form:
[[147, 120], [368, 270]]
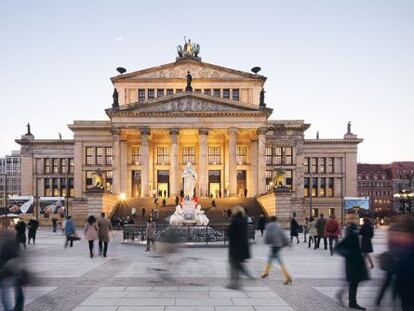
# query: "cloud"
[[118, 38]]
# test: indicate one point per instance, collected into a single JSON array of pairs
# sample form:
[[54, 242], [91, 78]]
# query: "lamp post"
[[405, 198]]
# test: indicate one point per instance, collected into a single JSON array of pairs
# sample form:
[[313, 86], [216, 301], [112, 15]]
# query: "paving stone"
[[204, 302]]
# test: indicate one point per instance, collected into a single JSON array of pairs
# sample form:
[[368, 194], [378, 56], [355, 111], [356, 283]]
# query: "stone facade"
[[221, 127], [9, 176]]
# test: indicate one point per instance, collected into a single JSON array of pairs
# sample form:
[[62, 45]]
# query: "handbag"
[[75, 237]]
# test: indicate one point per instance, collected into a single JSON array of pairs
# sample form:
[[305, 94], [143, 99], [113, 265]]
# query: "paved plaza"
[[132, 279]]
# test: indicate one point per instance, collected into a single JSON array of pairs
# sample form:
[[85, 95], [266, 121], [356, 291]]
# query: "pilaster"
[[232, 145], [174, 132], [203, 165], [261, 160]]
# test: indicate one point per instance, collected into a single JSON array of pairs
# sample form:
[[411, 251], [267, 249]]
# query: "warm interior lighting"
[[122, 196]]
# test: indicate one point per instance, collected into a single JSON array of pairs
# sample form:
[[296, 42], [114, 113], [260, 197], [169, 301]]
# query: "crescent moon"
[[118, 38]]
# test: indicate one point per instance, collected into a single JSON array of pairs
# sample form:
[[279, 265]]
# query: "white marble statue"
[[178, 217], [189, 175], [200, 218]]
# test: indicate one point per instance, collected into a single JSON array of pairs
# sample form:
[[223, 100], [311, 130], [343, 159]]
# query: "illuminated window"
[[89, 179], [289, 179], [47, 187], [136, 155], [55, 183], [306, 187], [108, 180], [163, 155], [269, 179], [214, 155], [63, 187], [330, 189], [322, 188], [241, 154], [314, 186], [188, 155], [89, 156]]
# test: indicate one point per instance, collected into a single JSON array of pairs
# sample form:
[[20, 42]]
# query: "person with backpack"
[[276, 239], [332, 232]]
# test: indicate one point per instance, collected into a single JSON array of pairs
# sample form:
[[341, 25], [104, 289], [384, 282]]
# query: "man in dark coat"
[[320, 227], [261, 224], [32, 227], [294, 230], [238, 246], [21, 232]]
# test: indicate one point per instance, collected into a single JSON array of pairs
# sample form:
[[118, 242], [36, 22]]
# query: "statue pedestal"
[[189, 210]]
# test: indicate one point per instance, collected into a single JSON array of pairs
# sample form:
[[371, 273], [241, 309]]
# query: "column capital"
[[232, 130], [262, 130], [203, 131], [116, 131], [145, 131], [174, 131]]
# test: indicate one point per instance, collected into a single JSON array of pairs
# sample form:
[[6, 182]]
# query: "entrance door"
[[241, 183], [136, 184], [214, 182], [163, 179]]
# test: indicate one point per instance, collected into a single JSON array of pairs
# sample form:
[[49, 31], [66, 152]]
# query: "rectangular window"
[[331, 212], [89, 179], [141, 95], [136, 155], [56, 187], [197, 90], [306, 187], [314, 165], [47, 166], [330, 166], [71, 191], [226, 93], [315, 212], [89, 156], [108, 156], [108, 180], [71, 166], [269, 155], [306, 165], [151, 93], [322, 188], [99, 159], [217, 92], [177, 91], [188, 155], [314, 187], [64, 165], [170, 92], [269, 180], [47, 187], [163, 155], [207, 91], [56, 166], [241, 154], [160, 92], [287, 155], [235, 94], [322, 167], [63, 187], [277, 156], [330, 189], [214, 155], [289, 179]]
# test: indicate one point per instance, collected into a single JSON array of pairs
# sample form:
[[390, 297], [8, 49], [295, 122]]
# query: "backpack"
[[331, 227]]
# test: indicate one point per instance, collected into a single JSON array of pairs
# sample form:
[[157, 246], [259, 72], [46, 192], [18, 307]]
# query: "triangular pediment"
[[187, 102], [179, 69]]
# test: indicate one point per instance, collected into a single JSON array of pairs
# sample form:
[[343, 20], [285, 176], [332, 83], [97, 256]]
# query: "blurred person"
[[355, 268], [150, 233], [104, 231], [320, 227], [275, 237], [69, 230], [294, 230], [261, 224], [21, 232], [91, 233], [305, 229], [313, 232], [54, 224], [367, 233], [9, 249], [32, 227], [238, 245], [332, 232]]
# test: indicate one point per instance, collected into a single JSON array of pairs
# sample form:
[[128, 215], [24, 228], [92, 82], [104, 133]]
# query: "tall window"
[[269, 155], [55, 187], [99, 156], [108, 156], [55, 166], [141, 95], [64, 165], [241, 154], [63, 187], [214, 155], [71, 166], [277, 156], [322, 188], [330, 189], [151, 93], [330, 166], [163, 155], [160, 93], [306, 186], [89, 155], [47, 166], [89, 179], [108, 180], [306, 165], [235, 94], [47, 187], [314, 186], [136, 154], [170, 92], [289, 179], [71, 193], [207, 91], [322, 167], [226, 93], [314, 165], [188, 155], [269, 179], [287, 155], [216, 92]]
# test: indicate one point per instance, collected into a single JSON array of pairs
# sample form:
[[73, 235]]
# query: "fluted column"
[[174, 162], [145, 162], [116, 161], [203, 163], [78, 179], [261, 160], [232, 132], [253, 168]]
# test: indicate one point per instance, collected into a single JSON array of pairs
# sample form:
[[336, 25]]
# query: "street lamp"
[[405, 198]]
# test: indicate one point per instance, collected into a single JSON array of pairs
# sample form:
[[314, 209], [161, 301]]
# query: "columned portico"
[[145, 162], [261, 160], [232, 146], [203, 163], [174, 162]]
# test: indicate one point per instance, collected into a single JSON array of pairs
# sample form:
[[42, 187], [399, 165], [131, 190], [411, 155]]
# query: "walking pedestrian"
[[261, 224], [320, 226], [21, 232], [367, 233], [238, 246], [150, 233], [54, 224], [69, 229], [276, 239], [355, 268], [32, 229], [91, 233], [313, 232], [104, 232], [305, 229], [332, 232], [143, 213], [294, 230]]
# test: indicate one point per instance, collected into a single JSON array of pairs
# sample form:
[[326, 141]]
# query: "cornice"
[[332, 141], [45, 141], [188, 113]]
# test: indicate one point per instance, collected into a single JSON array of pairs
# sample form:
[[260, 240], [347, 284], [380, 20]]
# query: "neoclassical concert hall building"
[[216, 118]]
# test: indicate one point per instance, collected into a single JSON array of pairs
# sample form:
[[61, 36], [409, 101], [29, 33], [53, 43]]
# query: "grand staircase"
[[217, 215]]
